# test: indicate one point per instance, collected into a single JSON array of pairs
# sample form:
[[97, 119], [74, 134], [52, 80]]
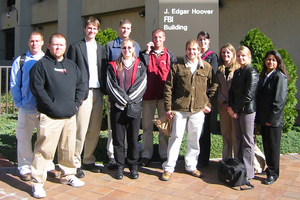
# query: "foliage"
[[290, 112], [105, 36], [259, 45], [9, 103]]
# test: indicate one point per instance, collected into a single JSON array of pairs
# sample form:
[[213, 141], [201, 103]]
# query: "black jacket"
[[135, 93], [243, 90], [57, 86], [78, 53], [271, 99]]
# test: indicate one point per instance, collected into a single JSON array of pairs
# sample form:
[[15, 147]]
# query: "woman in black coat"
[[242, 108], [271, 99]]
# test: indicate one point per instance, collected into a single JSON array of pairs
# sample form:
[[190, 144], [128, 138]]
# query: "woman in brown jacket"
[[228, 65]]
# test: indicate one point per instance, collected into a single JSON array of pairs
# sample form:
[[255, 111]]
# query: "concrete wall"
[[277, 19]]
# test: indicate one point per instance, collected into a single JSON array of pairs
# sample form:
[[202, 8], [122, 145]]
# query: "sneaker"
[[38, 191], [112, 164], [91, 167], [166, 176], [53, 173], [145, 162], [196, 173], [79, 173], [73, 181], [25, 177]]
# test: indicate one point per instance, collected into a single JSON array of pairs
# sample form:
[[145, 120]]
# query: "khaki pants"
[[52, 134], [88, 120]]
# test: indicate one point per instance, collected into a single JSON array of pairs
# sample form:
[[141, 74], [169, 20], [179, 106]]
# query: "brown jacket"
[[223, 85], [189, 92]]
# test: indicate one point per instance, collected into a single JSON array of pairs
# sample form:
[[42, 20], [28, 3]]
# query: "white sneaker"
[[73, 181], [38, 191]]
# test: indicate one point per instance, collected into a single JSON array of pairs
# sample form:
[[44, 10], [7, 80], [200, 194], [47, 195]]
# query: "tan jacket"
[[223, 85], [189, 92]]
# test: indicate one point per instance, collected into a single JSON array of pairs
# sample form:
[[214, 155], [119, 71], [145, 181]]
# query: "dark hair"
[[92, 20], [57, 35], [280, 64], [203, 33]]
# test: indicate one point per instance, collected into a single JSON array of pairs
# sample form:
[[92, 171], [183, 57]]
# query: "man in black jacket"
[[90, 58], [57, 84]]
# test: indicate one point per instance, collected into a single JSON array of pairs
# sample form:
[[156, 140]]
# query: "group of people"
[[60, 93]]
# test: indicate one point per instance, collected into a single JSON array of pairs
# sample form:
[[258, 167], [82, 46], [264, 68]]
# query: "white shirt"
[[92, 63]]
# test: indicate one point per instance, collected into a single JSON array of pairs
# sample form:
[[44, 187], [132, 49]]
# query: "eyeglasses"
[[129, 48]]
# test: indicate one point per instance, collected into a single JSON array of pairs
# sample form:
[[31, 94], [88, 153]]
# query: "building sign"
[[183, 20]]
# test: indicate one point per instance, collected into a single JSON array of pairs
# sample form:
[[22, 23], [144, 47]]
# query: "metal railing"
[[5, 70]]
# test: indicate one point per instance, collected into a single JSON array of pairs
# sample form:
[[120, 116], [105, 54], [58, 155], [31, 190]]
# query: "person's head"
[[127, 52], [204, 39], [273, 60], [158, 38], [227, 54], [35, 42], [124, 29], [243, 56], [57, 46], [192, 49], [91, 27]]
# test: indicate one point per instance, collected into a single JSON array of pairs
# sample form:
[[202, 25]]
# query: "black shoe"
[[119, 173], [164, 160], [145, 162], [79, 173], [133, 174], [112, 164], [270, 180], [91, 167]]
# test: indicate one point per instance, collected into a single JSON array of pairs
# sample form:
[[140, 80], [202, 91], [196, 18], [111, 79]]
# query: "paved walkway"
[[148, 186]]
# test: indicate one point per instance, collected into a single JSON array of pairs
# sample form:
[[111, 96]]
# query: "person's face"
[[57, 48], [124, 31], [90, 31], [192, 52], [204, 42], [35, 44], [227, 55], [127, 49], [271, 63], [242, 58], [158, 39]]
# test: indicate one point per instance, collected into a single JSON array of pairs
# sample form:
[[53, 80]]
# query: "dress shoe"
[[91, 167], [119, 173], [25, 177], [134, 174], [145, 162], [53, 173], [270, 180], [79, 173], [112, 164]]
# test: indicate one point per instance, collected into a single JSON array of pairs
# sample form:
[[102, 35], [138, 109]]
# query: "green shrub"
[[259, 45]]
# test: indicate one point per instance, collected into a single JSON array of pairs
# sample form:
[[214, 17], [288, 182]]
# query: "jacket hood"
[[49, 56]]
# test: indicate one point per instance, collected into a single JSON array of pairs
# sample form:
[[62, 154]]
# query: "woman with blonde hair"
[[228, 65], [242, 108], [126, 85]]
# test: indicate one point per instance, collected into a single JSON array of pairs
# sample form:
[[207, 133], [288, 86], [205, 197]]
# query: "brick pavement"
[[148, 186]]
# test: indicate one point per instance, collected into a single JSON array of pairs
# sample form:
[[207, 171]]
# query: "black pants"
[[204, 142], [271, 141], [124, 126]]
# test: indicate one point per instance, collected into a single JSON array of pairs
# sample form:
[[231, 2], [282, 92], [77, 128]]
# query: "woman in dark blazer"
[[242, 108], [271, 99]]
